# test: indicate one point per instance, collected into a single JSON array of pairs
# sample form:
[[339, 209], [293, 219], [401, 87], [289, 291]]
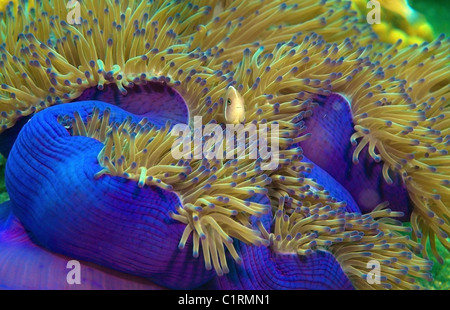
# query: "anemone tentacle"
[[333, 152]]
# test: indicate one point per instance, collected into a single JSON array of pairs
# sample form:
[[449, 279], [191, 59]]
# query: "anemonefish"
[[234, 107]]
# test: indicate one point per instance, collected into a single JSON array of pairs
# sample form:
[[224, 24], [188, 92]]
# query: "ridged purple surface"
[[24, 265], [152, 99], [262, 269], [109, 221]]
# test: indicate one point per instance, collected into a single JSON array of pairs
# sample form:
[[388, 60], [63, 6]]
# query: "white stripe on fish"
[[234, 107]]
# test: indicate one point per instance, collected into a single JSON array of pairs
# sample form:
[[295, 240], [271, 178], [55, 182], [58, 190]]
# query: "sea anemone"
[[288, 61], [100, 139]]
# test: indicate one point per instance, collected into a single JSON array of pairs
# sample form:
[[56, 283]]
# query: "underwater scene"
[[224, 145]]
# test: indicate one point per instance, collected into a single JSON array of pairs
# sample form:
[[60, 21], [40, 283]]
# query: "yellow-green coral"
[[398, 21], [4, 4]]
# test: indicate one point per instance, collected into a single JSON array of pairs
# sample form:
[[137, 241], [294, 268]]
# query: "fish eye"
[[228, 101]]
